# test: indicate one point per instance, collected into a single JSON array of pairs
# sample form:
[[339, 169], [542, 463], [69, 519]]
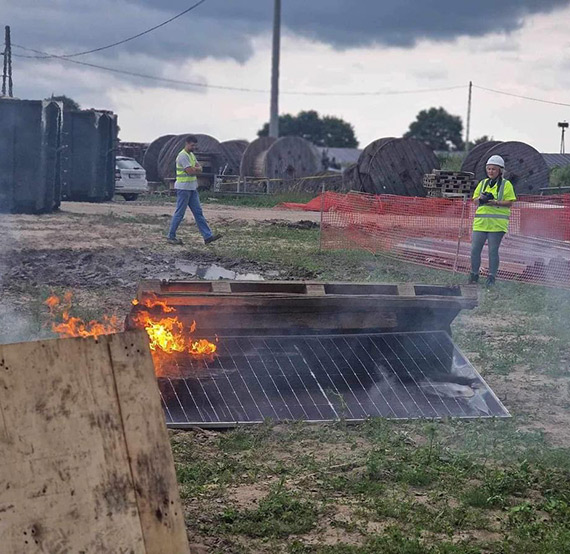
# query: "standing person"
[[494, 197], [186, 185]]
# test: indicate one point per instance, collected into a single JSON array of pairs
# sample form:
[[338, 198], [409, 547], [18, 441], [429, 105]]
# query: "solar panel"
[[322, 378]]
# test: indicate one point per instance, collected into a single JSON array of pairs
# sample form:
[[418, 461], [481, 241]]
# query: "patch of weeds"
[[242, 439], [280, 514], [392, 541]]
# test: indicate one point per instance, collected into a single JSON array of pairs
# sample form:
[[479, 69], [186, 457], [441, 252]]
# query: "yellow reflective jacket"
[[493, 218]]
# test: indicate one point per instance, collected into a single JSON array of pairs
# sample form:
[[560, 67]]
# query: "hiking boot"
[[490, 281], [213, 238], [174, 240], [473, 279]]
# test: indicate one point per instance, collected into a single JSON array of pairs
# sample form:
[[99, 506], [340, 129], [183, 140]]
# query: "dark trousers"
[[493, 239]]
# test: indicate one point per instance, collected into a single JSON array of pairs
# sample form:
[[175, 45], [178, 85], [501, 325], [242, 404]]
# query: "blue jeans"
[[184, 199], [493, 239]]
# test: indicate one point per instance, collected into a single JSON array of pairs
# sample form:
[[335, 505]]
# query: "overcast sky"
[[328, 46]]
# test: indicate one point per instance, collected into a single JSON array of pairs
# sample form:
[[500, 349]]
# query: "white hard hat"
[[496, 160]]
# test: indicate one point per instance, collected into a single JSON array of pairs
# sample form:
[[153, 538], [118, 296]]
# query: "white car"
[[130, 178]]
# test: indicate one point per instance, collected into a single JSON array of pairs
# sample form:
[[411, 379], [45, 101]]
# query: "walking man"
[[186, 185], [494, 197]]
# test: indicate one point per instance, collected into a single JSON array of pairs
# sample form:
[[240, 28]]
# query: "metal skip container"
[[88, 155], [30, 139]]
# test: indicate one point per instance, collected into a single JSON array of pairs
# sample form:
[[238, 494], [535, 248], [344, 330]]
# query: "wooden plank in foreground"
[[86, 461]]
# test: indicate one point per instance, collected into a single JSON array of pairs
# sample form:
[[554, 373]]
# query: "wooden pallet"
[[273, 307]]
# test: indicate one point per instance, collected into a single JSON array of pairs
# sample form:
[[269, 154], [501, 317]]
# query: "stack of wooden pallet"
[[449, 184]]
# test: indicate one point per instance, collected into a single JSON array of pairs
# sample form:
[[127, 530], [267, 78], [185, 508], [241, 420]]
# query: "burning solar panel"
[[331, 377]]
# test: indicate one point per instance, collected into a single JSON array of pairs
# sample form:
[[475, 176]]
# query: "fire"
[[167, 335], [202, 348], [75, 326]]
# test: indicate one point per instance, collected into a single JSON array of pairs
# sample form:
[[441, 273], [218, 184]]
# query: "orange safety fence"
[[436, 232]]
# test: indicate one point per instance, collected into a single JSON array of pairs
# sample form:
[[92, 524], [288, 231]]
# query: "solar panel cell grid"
[[327, 378]]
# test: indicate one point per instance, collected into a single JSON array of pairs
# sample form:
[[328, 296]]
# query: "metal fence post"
[[459, 236], [322, 212]]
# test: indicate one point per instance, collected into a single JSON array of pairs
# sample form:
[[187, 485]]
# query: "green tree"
[[438, 129], [323, 131], [68, 103], [560, 176]]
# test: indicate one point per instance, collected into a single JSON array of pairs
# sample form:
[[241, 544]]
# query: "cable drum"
[[362, 179], [398, 167], [232, 152], [250, 154], [150, 160], [475, 154], [524, 166]]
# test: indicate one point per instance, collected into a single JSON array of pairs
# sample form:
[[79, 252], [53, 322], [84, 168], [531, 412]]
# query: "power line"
[[521, 96], [51, 57], [44, 56]]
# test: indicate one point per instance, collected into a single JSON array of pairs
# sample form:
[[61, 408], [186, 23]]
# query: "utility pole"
[[468, 124], [7, 66], [274, 110]]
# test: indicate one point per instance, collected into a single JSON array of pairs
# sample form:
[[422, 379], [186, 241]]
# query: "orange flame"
[[167, 335], [74, 326], [153, 302], [202, 347]]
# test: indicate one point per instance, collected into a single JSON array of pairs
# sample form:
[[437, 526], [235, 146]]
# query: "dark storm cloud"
[[224, 28]]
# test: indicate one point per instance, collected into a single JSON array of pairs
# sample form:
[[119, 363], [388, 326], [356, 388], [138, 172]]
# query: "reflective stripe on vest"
[[493, 216], [181, 175]]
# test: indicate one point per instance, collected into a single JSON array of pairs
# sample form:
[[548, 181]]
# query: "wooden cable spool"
[[250, 154], [362, 179], [398, 167], [524, 166], [208, 152], [284, 158], [290, 158], [150, 160], [232, 152], [351, 179], [475, 154]]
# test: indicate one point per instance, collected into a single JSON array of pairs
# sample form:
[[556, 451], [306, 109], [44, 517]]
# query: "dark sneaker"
[[213, 238], [176, 241], [490, 281], [473, 279]]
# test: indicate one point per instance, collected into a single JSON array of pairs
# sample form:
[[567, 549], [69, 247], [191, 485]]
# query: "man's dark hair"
[[192, 138]]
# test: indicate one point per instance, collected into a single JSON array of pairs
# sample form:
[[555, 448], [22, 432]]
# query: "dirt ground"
[[102, 251], [212, 212]]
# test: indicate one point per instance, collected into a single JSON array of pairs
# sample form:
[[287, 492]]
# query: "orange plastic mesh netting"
[[436, 232]]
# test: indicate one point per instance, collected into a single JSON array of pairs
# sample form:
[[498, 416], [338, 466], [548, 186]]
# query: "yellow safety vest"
[[181, 175], [493, 218]]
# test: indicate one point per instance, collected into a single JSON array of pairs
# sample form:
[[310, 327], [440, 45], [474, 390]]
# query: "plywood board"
[[86, 461]]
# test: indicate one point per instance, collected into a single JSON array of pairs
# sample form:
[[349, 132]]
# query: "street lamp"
[[563, 126]]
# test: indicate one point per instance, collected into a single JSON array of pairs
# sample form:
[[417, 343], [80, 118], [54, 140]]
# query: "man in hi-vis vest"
[[494, 197], [186, 185]]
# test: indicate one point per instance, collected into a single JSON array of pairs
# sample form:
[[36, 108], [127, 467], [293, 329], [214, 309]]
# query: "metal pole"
[[5, 66], [468, 124], [455, 264], [9, 54], [274, 110], [322, 212]]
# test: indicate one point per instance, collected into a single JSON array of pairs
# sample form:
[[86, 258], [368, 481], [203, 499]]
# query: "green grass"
[[257, 200], [428, 486]]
